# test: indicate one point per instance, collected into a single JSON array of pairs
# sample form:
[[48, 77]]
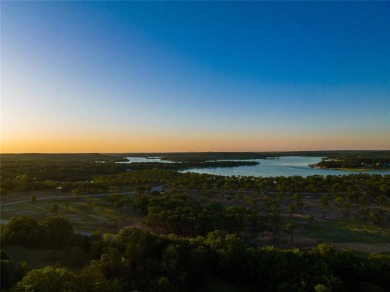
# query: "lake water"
[[143, 159], [284, 166]]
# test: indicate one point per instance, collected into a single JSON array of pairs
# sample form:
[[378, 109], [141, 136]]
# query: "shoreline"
[[353, 169]]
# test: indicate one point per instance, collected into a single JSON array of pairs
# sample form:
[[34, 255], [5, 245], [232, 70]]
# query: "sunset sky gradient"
[[84, 76]]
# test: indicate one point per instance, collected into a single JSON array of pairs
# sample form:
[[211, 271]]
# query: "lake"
[[143, 159], [284, 166]]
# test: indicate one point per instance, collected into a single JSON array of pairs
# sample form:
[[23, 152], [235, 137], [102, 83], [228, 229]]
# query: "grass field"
[[86, 214], [347, 230], [97, 214]]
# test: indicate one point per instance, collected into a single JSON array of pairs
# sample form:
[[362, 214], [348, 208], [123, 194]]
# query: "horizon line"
[[153, 152]]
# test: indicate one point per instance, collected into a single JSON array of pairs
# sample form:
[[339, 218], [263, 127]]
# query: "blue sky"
[[194, 76]]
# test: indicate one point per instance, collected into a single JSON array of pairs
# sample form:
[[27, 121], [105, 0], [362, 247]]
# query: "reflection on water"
[[143, 159], [285, 166]]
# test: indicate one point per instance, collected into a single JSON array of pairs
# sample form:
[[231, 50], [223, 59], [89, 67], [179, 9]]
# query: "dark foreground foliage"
[[137, 260]]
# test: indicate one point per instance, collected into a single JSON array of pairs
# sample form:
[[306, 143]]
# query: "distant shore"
[[362, 169], [351, 168]]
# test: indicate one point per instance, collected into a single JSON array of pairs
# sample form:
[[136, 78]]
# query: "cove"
[[283, 166]]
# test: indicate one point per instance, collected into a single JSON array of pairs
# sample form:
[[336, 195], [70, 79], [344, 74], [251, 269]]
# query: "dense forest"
[[137, 260], [152, 228], [41, 171]]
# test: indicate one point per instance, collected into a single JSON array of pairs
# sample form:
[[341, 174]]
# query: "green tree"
[[77, 192], [6, 270], [344, 204], [364, 212], [375, 217], [163, 285], [321, 288], [51, 184], [236, 218], [324, 200], [275, 220], [33, 199], [92, 278], [289, 228], [381, 200], [119, 204], [114, 198], [90, 202], [58, 231], [19, 229], [231, 252], [309, 218], [22, 269], [77, 256], [66, 207], [291, 210], [48, 279], [115, 218], [141, 202], [171, 263], [254, 218], [298, 202], [54, 208]]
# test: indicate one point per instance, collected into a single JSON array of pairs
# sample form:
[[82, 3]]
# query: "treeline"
[[356, 159], [339, 153], [199, 156], [58, 167], [41, 174], [144, 180], [54, 232], [225, 184], [188, 165], [207, 156], [60, 157], [364, 162], [137, 260]]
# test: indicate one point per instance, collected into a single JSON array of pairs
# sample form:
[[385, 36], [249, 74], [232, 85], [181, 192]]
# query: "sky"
[[86, 76]]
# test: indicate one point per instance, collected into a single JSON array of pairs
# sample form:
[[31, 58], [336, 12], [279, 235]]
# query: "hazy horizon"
[[122, 77], [173, 152]]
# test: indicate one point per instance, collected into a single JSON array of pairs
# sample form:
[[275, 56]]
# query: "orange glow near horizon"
[[174, 142], [82, 78]]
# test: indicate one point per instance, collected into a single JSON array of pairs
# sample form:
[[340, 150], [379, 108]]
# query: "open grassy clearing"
[[331, 224], [347, 230], [26, 195], [48, 194], [84, 214]]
